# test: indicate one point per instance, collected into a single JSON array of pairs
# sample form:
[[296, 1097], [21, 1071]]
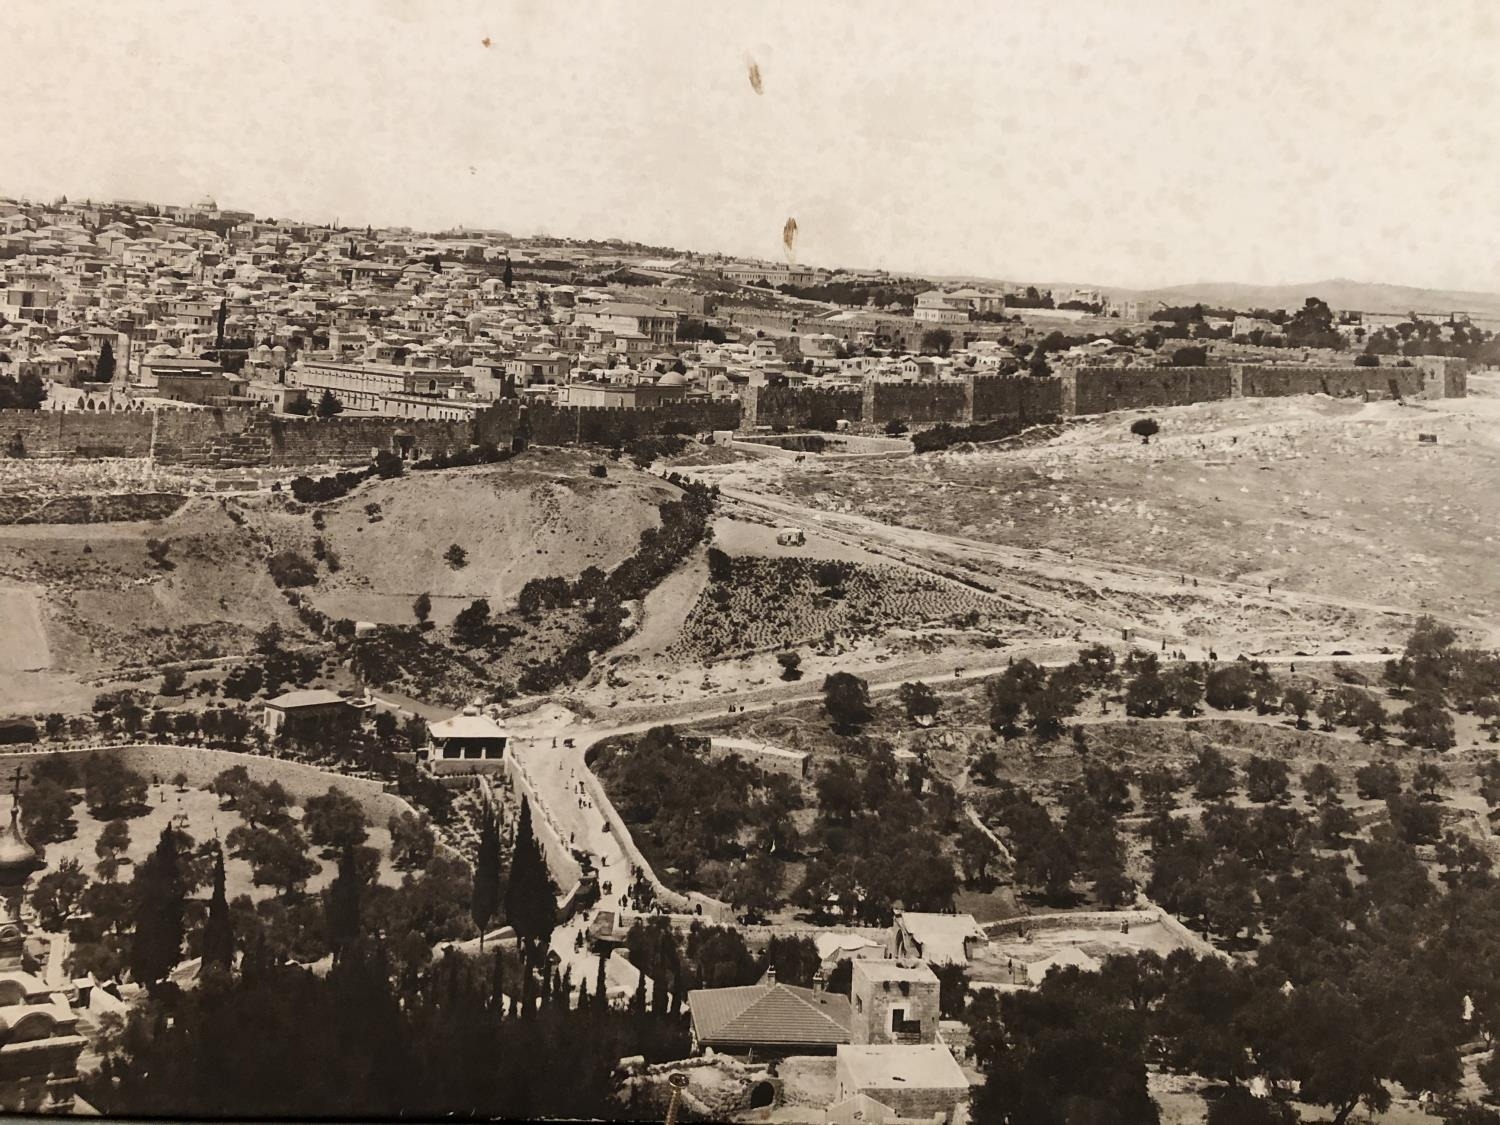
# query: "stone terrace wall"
[[91, 507]]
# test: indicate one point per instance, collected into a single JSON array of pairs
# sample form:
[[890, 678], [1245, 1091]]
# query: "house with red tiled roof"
[[769, 1019]]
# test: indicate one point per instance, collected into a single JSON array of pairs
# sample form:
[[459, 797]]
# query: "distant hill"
[[1340, 293]]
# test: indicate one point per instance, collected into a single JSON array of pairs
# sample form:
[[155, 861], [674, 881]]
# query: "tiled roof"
[[769, 1014]]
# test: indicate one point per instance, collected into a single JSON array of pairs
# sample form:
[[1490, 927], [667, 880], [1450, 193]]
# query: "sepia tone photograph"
[[843, 563]]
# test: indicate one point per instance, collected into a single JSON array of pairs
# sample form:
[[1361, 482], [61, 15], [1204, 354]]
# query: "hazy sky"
[[1135, 144]]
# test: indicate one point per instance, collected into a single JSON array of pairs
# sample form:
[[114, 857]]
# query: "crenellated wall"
[[973, 398], [1340, 382], [251, 438], [545, 424], [1014, 396], [795, 406], [1100, 390], [914, 403], [78, 433]]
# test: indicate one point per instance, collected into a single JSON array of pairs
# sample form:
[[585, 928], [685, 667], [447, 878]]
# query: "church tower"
[[39, 1040]]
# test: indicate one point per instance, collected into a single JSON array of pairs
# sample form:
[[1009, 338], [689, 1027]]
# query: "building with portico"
[[466, 743]]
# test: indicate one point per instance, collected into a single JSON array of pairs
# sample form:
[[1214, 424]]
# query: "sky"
[[1133, 144]]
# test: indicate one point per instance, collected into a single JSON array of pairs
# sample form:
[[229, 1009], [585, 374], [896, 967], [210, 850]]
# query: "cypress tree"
[[218, 928], [530, 901], [104, 369], [509, 275], [497, 983], [341, 907], [159, 890], [601, 986], [659, 994], [638, 1001], [485, 896]]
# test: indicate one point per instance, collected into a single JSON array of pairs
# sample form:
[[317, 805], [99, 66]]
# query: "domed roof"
[[672, 379], [18, 859]]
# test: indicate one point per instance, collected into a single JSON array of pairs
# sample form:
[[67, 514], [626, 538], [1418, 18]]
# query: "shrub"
[[288, 569]]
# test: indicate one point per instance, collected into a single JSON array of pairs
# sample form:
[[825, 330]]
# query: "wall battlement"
[[239, 437]]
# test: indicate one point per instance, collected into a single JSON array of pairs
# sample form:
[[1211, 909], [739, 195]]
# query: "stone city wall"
[[794, 406], [914, 403], [247, 438], [545, 424], [1099, 390], [973, 398], [1262, 381], [353, 441], [78, 433], [1014, 396]]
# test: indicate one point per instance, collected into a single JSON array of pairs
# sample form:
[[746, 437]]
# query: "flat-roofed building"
[[923, 1082]]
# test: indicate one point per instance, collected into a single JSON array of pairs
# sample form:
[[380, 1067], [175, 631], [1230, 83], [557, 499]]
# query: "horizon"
[[1133, 149]]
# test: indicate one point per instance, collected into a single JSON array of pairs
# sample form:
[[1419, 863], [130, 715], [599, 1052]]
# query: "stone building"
[[894, 1002], [768, 1019], [466, 743], [938, 939], [921, 1083]]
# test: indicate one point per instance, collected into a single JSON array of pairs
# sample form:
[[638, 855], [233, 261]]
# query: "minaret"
[[18, 862]]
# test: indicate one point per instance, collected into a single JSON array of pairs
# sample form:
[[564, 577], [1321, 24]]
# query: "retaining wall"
[[566, 871], [201, 764], [90, 508]]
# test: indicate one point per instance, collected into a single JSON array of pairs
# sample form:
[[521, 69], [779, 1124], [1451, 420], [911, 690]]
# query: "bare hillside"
[[540, 515]]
